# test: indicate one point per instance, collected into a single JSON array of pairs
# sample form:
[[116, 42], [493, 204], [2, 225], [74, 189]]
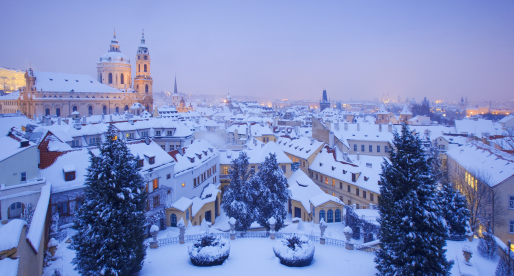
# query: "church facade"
[[113, 91]]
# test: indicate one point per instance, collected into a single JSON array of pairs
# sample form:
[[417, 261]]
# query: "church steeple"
[[175, 90], [115, 47]]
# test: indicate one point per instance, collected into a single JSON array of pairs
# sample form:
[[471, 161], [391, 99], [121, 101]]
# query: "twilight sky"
[[279, 49]]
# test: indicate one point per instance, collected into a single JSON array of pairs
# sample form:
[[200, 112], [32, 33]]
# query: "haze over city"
[[291, 49]]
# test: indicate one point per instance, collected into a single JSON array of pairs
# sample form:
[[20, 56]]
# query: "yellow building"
[[11, 80], [302, 150], [310, 203]]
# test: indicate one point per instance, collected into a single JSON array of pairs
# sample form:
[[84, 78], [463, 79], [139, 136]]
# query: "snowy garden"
[[255, 235], [252, 253]]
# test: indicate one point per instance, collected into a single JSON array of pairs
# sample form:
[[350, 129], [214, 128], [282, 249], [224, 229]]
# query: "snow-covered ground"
[[254, 256]]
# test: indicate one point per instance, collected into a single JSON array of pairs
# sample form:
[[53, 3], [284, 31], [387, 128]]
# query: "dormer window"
[[205, 152], [211, 149], [199, 156], [192, 159], [320, 164], [333, 168], [140, 162], [69, 172], [151, 160]]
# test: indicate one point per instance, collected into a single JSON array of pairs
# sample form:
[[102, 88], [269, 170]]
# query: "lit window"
[[183, 184], [333, 182], [156, 184], [511, 202]]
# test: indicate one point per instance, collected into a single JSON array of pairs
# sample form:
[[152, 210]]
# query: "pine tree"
[[269, 187], [455, 209], [110, 223], [434, 160], [237, 200], [487, 246], [412, 230]]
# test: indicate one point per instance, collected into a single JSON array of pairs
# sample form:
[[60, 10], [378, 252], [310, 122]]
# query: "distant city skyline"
[[292, 49]]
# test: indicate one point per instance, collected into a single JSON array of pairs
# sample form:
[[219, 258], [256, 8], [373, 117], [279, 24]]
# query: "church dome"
[[115, 57]]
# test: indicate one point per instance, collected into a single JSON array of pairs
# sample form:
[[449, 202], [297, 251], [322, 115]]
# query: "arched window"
[[126, 107], [139, 67], [322, 215], [47, 111], [330, 216], [104, 110], [137, 86], [122, 79], [117, 110], [100, 80], [146, 88], [90, 110], [173, 220], [110, 77], [15, 210], [338, 215], [74, 108], [147, 108], [58, 112], [145, 68]]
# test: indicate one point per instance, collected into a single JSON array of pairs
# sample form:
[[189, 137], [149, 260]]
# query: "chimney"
[[346, 126], [358, 156], [59, 120], [262, 145], [390, 128], [84, 120], [336, 125], [48, 121], [110, 118], [147, 140], [331, 139], [358, 127], [379, 127], [327, 123]]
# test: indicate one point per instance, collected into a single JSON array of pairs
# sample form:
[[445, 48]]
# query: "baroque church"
[[114, 91]]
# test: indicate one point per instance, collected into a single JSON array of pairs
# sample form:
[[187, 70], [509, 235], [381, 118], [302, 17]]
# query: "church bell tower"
[[143, 81]]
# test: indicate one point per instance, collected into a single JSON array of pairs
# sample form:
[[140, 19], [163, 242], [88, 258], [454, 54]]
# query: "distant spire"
[[114, 33], [143, 37], [175, 91]]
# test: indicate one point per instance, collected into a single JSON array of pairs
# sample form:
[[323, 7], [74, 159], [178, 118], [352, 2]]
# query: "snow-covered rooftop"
[[193, 155], [257, 155], [37, 224], [62, 82], [302, 147], [11, 147], [181, 204], [10, 234], [477, 158], [327, 163], [303, 189]]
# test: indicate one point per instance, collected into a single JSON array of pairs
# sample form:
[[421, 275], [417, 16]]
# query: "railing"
[[370, 247]]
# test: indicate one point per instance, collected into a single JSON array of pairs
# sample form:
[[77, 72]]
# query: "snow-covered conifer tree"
[[352, 220], [237, 200], [455, 209], [270, 192], [487, 246], [412, 230], [110, 223], [506, 264]]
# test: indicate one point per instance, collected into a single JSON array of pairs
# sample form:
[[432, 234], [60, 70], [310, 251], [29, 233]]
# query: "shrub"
[[295, 250], [209, 250]]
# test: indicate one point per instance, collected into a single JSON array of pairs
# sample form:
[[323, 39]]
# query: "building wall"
[[319, 131], [24, 193], [333, 186], [24, 161], [179, 214], [457, 174], [104, 68], [373, 144], [30, 262], [305, 216], [189, 190], [326, 207]]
